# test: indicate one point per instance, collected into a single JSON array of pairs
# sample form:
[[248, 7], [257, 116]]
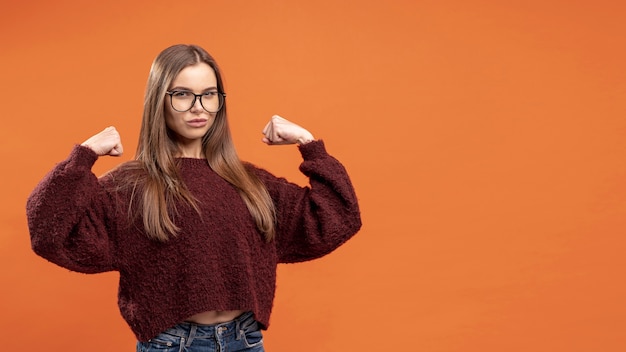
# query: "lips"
[[197, 122]]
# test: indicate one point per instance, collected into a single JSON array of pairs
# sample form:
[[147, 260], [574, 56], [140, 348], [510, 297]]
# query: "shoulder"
[[126, 174], [259, 172], [272, 182]]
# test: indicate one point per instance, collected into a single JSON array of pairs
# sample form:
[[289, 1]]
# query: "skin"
[[191, 125], [189, 128]]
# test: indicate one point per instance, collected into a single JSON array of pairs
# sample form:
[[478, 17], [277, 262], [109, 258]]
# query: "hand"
[[281, 131], [107, 142]]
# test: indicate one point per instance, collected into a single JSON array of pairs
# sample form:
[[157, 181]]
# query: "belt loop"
[[192, 334], [238, 328]]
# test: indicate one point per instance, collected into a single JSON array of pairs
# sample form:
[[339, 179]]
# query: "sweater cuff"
[[313, 150], [82, 155]]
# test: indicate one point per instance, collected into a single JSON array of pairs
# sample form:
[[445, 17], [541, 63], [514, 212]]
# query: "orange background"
[[486, 141]]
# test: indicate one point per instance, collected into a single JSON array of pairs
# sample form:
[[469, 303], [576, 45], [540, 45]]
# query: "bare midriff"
[[214, 316]]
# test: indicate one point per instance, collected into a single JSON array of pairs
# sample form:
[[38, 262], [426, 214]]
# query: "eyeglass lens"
[[183, 100]]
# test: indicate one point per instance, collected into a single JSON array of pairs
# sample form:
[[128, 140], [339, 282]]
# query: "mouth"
[[197, 122]]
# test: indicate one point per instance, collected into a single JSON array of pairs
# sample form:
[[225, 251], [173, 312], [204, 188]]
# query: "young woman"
[[194, 232]]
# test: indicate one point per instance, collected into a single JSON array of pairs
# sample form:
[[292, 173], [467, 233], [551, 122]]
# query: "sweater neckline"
[[189, 158], [192, 161]]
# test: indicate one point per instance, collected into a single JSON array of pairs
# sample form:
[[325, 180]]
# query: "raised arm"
[[311, 221], [71, 215]]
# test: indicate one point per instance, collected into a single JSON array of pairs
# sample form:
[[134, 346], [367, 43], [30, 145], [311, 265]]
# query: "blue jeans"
[[241, 334]]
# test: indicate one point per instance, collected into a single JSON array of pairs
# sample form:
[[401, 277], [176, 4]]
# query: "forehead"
[[197, 76]]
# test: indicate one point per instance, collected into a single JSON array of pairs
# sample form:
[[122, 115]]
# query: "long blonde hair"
[[161, 184]]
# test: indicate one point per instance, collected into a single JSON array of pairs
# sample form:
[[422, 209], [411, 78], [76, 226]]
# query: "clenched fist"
[[281, 131], [107, 142]]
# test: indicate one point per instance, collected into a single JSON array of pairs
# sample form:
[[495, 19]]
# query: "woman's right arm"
[[71, 215]]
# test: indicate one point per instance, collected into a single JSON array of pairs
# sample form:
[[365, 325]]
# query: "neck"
[[190, 151], [190, 155]]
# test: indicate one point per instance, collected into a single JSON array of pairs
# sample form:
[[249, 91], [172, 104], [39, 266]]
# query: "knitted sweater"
[[218, 261]]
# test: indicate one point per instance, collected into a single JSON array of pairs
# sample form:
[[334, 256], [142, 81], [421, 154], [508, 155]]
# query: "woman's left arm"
[[313, 221]]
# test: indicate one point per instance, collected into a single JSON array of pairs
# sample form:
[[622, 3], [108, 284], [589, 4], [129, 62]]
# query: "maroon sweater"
[[219, 261]]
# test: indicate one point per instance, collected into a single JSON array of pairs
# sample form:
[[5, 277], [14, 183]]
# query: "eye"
[[180, 94], [210, 94]]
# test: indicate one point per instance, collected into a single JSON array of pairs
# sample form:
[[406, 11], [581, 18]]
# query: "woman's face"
[[191, 125]]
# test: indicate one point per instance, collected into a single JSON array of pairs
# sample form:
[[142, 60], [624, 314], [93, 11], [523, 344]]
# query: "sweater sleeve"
[[70, 216], [313, 221]]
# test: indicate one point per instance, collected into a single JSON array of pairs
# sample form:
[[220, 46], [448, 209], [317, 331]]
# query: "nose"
[[197, 105]]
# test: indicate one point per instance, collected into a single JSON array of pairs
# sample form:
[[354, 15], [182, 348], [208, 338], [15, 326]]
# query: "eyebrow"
[[191, 90]]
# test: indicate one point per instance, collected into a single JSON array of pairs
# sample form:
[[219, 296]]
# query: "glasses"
[[183, 100]]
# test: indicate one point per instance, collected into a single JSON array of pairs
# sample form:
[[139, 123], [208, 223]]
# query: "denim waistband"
[[237, 327]]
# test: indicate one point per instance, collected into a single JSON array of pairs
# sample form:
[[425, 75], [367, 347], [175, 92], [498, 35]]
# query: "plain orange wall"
[[486, 140]]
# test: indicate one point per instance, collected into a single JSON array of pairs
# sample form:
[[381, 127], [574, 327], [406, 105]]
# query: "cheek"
[[170, 118], [212, 121]]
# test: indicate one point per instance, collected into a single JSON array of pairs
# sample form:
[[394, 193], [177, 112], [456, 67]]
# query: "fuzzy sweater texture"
[[219, 260]]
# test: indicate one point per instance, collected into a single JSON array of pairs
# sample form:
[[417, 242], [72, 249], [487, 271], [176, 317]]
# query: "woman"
[[195, 233]]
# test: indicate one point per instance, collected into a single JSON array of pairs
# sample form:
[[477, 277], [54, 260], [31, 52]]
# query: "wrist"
[[305, 139]]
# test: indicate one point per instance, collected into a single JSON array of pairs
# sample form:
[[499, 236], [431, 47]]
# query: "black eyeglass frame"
[[195, 96]]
